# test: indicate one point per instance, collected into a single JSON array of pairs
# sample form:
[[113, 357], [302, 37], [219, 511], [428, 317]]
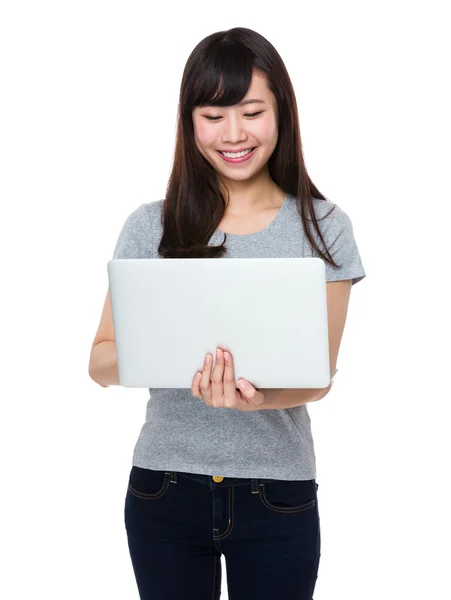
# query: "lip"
[[241, 158], [235, 151]]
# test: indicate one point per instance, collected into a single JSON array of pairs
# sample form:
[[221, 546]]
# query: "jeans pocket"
[[288, 496], [148, 483]]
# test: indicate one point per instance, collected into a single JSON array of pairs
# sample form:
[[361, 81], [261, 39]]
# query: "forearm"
[[103, 368], [290, 398]]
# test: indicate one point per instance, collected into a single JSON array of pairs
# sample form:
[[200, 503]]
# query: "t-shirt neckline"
[[265, 230]]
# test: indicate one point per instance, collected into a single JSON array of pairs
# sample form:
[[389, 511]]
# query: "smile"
[[241, 157]]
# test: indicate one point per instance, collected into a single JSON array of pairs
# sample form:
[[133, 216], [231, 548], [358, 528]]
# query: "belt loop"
[[254, 486], [173, 477]]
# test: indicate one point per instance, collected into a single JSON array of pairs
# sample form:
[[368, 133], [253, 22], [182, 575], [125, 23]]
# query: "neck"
[[247, 197]]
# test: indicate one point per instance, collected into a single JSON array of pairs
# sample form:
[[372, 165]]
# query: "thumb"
[[250, 393]]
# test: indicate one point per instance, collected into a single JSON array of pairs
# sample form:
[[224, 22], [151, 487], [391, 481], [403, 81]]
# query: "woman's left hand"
[[222, 392]]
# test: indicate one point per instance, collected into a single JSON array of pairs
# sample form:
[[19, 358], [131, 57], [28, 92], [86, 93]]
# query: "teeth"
[[236, 155]]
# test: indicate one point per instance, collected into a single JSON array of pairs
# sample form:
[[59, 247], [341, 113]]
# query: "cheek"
[[204, 134], [265, 131]]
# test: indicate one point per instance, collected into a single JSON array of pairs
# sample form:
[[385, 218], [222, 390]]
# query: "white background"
[[88, 113]]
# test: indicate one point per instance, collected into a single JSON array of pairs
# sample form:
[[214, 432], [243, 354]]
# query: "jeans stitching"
[[228, 531], [154, 496], [224, 484], [287, 509]]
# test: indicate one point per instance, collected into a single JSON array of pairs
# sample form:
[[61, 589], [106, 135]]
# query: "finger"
[[195, 389], [204, 384], [217, 384], [250, 394], [229, 381]]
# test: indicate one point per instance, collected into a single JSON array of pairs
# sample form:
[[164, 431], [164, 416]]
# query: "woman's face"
[[242, 126]]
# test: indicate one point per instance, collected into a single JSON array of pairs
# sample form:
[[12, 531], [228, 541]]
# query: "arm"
[[338, 294], [103, 368], [132, 242], [289, 398]]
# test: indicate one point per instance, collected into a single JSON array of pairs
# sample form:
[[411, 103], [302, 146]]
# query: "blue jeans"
[[179, 524]]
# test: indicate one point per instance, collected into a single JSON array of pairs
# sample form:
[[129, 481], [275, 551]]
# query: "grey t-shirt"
[[181, 432]]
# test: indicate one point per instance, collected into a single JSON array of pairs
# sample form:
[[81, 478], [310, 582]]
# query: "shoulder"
[[137, 218], [139, 232], [329, 215], [332, 219], [153, 208], [327, 210], [145, 217]]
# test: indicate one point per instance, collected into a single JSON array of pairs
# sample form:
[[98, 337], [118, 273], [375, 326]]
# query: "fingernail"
[[243, 383], [226, 355]]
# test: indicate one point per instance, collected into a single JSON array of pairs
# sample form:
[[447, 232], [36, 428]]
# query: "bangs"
[[224, 77]]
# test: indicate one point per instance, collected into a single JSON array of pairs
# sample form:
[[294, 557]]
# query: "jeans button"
[[217, 478]]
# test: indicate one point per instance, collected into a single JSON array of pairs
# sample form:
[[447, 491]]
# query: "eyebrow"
[[251, 101]]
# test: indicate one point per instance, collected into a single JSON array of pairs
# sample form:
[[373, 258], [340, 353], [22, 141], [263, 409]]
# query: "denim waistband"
[[224, 482]]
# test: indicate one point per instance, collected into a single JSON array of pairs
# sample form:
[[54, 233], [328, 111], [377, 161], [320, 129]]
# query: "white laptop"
[[270, 313]]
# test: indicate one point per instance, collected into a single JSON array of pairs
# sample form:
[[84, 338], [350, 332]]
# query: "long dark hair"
[[195, 202]]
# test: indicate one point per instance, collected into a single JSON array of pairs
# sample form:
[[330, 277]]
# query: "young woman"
[[221, 469]]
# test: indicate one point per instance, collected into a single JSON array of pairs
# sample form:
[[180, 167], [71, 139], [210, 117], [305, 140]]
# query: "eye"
[[246, 115]]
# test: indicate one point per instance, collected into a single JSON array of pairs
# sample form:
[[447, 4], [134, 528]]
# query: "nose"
[[232, 131]]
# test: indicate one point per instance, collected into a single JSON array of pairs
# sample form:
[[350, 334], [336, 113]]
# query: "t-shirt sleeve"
[[338, 234], [135, 236]]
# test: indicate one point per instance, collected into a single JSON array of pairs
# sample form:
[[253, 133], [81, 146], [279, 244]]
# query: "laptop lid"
[[270, 313]]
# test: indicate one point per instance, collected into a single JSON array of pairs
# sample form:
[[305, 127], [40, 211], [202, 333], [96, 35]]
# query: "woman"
[[220, 469]]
